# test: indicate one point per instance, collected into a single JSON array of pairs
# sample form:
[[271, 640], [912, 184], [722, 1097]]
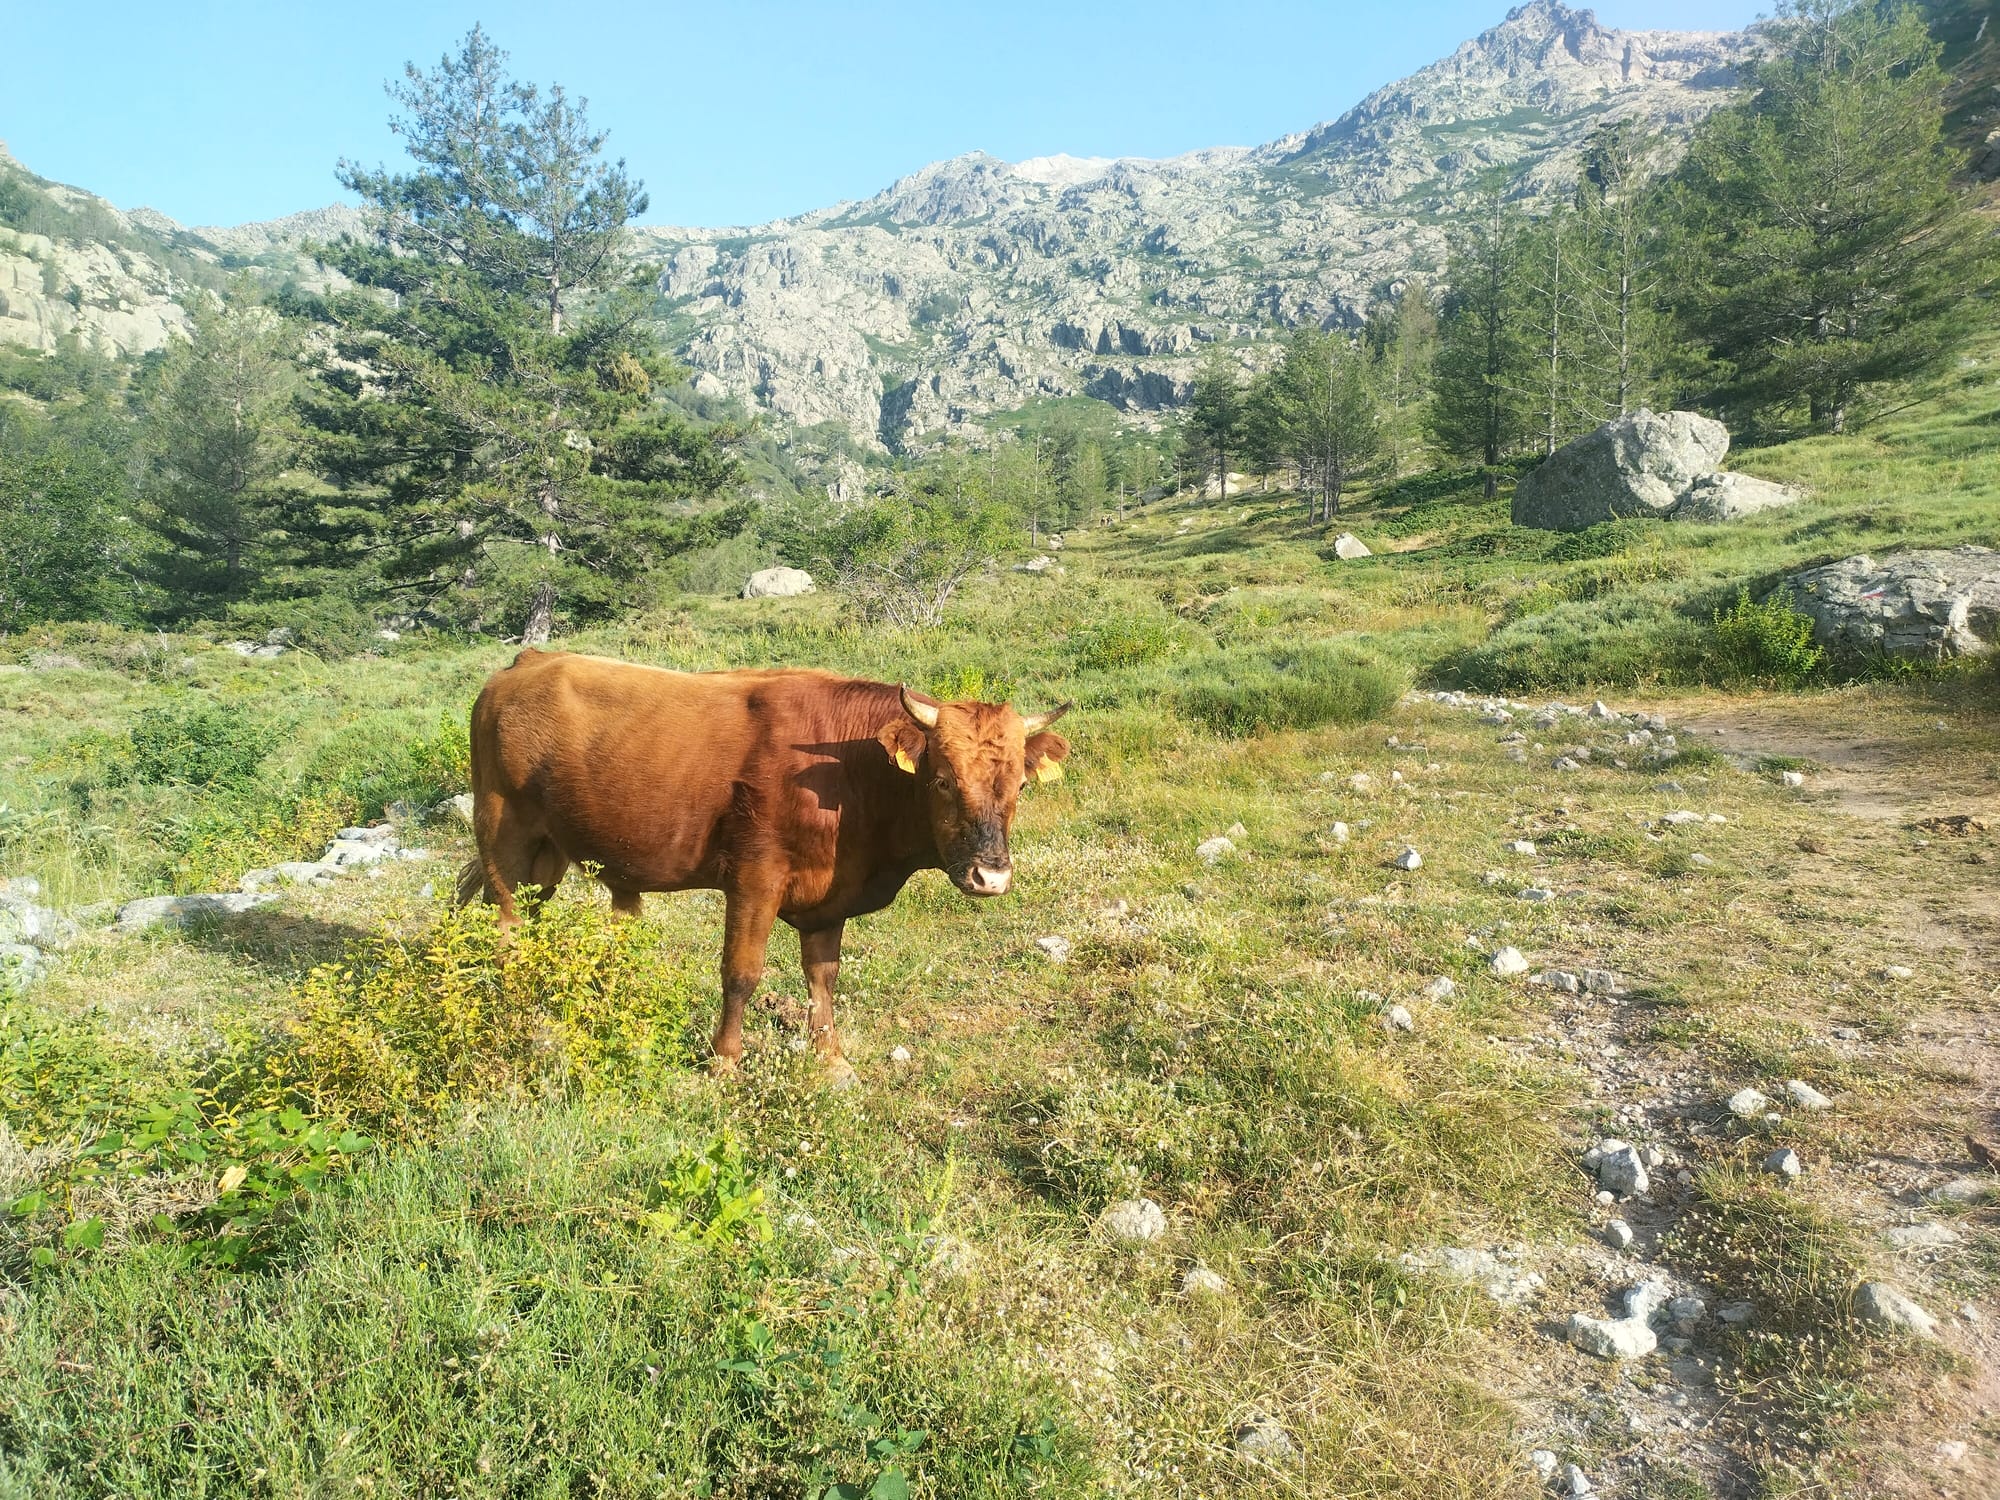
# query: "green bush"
[[198, 743], [1122, 641], [1300, 690], [1770, 642]]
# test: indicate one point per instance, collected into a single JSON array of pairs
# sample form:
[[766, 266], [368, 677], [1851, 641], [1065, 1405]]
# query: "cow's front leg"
[[750, 909], [819, 954]]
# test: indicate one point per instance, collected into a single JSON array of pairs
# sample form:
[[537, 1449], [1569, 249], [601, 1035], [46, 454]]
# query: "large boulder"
[[1641, 464], [779, 583], [1731, 497], [1926, 605]]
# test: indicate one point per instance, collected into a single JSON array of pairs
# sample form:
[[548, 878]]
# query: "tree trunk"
[[1492, 485], [541, 615]]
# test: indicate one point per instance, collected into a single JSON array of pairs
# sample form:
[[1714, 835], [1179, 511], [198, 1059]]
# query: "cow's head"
[[972, 760]]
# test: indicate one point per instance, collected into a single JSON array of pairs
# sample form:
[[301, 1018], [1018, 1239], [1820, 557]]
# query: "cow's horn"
[[1036, 723], [925, 714]]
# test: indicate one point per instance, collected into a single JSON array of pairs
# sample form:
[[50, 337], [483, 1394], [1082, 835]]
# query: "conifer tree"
[[1828, 253], [502, 400], [1331, 415], [1485, 362], [219, 435], [1403, 334], [1215, 414]]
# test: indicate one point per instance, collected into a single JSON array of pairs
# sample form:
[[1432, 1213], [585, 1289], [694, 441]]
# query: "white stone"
[[1784, 1163], [1747, 1103], [1397, 1018], [178, 911], [778, 583], [1338, 833], [1618, 1235], [1920, 1237], [1409, 859], [1561, 981], [1792, 779], [1347, 546], [1600, 981], [1360, 781], [1519, 846], [1576, 1484], [1440, 988], [1620, 1170], [1886, 1306], [1535, 893], [1545, 1463], [1055, 948], [1133, 1221], [459, 807], [1612, 1338], [1265, 1440], [899, 1055], [1211, 851], [1805, 1096], [1508, 962], [1199, 1281], [1498, 1274]]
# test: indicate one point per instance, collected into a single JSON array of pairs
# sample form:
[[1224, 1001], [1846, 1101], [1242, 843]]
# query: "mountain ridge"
[[972, 286]]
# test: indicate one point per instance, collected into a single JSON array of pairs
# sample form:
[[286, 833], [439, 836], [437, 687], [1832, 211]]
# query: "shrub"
[[1769, 642], [228, 837], [1121, 641], [1313, 686], [575, 999], [199, 743]]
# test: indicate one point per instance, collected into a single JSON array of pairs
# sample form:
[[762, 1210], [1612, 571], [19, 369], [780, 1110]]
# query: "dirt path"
[[1896, 785]]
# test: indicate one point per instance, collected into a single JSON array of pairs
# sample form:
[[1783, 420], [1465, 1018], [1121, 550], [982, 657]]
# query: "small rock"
[[1575, 1482], [1409, 859], [1055, 948], [1599, 711], [1920, 1237], [1736, 1314], [1748, 1103], [1805, 1096], [1565, 763], [1236, 831], [1612, 1338], [1211, 851], [1360, 781], [1963, 1190], [1397, 1018], [1792, 779], [1265, 1440], [1519, 846], [459, 807], [1561, 981], [1535, 893], [1951, 1451], [1847, 1033], [1545, 1463], [20, 966], [1600, 981], [178, 911], [900, 1055], [1133, 1221], [1617, 1234], [1885, 1306], [1338, 833], [1347, 547], [1499, 1274], [1440, 988], [1620, 1171], [1508, 962], [1202, 1282], [1784, 1163], [1899, 973]]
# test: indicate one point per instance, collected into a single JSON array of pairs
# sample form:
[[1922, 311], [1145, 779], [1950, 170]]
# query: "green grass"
[[516, 1290]]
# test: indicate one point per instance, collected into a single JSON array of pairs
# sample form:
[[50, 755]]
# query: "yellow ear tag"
[[904, 762], [1049, 770]]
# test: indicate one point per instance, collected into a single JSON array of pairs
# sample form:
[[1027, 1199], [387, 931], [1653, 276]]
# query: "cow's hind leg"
[[819, 955], [751, 908]]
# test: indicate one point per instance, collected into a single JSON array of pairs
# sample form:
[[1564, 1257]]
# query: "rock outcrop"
[[1731, 497], [779, 583], [1641, 464], [1921, 606]]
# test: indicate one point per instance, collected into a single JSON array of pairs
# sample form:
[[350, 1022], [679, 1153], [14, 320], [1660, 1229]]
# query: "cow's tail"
[[471, 881]]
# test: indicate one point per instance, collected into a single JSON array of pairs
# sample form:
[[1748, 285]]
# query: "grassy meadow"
[[318, 1200]]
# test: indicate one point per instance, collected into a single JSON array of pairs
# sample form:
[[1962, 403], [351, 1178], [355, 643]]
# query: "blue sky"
[[732, 112]]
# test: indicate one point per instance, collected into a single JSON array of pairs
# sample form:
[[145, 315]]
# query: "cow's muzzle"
[[988, 877]]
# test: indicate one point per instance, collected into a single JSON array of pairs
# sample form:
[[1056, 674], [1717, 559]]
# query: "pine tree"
[[1485, 362], [1553, 265], [1215, 414], [1828, 253], [1403, 333], [218, 437], [502, 401], [1628, 344], [1331, 415]]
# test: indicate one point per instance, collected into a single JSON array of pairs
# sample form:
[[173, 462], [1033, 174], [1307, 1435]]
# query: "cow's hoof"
[[840, 1074], [722, 1067]]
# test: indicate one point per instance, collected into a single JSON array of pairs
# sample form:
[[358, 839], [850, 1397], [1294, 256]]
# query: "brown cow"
[[797, 794]]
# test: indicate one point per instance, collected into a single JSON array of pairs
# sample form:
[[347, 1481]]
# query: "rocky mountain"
[[976, 286]]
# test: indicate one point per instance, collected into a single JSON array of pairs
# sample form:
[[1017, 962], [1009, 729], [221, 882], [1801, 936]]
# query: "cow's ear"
[[904, 742], [1046, 753]]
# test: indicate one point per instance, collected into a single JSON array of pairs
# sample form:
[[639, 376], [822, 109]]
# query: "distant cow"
[[797, 794]]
